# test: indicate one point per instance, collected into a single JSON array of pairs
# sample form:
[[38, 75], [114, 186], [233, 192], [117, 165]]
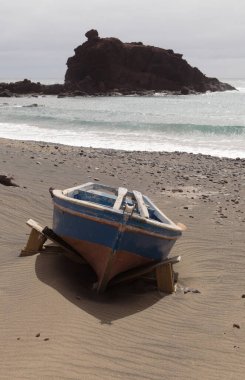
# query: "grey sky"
[[37, 37]]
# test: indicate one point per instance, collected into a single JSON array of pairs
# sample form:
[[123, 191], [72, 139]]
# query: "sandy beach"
[[52, 326]]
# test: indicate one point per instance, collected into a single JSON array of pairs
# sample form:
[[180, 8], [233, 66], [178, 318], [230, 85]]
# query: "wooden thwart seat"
[[141, 204], [122, 192]]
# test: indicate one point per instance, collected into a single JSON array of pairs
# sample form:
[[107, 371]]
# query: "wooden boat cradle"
[[163, 270]]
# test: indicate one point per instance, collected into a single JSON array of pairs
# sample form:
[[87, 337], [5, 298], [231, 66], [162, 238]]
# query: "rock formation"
[[107, 64]]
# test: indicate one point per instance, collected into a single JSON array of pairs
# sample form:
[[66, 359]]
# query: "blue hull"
[[94, 235]]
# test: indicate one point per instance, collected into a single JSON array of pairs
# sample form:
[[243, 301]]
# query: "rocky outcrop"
[[27, 87], [107, 64]]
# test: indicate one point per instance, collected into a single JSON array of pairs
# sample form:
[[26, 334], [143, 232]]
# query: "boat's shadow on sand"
[[75, 282]]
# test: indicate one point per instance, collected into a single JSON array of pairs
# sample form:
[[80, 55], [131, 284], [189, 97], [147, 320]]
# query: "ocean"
[[211, 123]]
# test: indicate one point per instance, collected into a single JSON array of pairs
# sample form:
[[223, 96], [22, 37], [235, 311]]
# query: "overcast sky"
[[37, 37]]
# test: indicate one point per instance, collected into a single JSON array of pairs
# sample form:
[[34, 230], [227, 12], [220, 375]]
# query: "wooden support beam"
[[165, 278], [67, 250], [163, 273], [35, 241], [39, 235], [52, 248], [33, 224]]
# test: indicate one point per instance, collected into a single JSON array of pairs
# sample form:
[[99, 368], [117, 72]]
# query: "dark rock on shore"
[[7, 180], [27, 87], [104, 64]]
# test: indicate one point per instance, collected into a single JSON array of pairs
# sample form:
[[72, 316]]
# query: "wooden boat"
[[114, 230]]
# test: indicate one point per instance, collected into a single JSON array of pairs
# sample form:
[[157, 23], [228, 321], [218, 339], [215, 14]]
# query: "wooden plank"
[[68, 250], [165, 279], [85, 187], [57, 249], [34, 244], [53, 248], [40, 235], [141, 204], [33, 224], [182, 226], [144, 269], [122, 192]]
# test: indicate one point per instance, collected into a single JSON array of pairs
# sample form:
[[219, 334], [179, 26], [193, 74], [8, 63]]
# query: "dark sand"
[[51, 324]]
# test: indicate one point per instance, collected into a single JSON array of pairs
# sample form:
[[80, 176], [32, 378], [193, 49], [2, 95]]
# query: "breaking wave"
[[212, 123]]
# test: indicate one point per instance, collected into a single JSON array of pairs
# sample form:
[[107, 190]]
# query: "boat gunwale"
[[62, 195], [116, 224]]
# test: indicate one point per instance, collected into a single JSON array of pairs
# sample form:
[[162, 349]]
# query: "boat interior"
[[118, 199]]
